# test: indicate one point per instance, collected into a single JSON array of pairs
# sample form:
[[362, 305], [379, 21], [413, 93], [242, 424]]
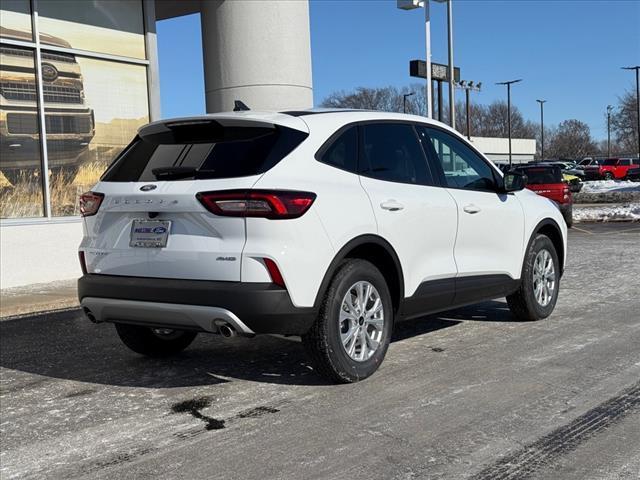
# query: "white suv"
[[329, 225]]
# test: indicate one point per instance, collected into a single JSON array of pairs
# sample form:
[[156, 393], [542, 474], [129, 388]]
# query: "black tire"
[[568, 217], [608, 176], [323, 341], [523, 303], [145, 341]]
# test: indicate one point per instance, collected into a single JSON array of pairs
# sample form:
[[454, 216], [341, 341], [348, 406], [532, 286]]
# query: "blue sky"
[[568, 52]]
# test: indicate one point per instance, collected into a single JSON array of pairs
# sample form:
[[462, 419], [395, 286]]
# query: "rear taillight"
[[90, 203], [274, 272], [272, 204], [83, 262]]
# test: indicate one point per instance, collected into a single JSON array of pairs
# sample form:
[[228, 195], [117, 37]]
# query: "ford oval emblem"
[[49, 72], [148, 188]]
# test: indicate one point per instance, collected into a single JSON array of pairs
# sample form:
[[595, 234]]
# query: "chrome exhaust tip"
[[227, 331]]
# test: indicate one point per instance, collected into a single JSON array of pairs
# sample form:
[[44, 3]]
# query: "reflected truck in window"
[[69, 121]]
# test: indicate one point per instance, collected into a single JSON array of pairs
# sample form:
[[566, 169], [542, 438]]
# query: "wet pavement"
[[466, 394]]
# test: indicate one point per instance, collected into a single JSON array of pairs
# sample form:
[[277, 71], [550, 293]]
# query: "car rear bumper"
[[250, 308]]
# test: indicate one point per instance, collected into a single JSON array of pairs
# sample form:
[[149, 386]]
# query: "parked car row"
[[612, 169]]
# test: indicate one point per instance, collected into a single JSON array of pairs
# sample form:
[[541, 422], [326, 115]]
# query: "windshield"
[[610, 161]]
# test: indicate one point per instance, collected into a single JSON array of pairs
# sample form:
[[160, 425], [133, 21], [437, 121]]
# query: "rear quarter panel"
[[304, 248]]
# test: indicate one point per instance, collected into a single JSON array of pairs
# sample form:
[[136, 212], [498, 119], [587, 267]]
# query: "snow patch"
[[629, 212], [603, 186]]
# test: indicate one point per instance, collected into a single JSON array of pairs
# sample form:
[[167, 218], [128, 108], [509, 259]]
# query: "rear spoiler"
[[218, 127]]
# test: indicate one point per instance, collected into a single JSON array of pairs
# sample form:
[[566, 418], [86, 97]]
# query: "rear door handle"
[[471, 208], [391, 205]]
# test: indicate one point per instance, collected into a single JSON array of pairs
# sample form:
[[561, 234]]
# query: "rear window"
[[542, 175], [240, 152]]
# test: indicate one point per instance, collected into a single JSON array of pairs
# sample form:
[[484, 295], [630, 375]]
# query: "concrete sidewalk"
[[40, 297]]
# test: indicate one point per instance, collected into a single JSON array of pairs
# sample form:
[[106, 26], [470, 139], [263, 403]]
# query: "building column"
[[256, 52]]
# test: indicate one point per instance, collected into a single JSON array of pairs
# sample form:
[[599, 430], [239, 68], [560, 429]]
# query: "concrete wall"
[[497, 149], [256, 52], [39, 253]]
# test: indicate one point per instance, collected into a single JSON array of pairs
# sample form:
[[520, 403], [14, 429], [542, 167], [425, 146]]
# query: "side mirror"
[[513, 182]]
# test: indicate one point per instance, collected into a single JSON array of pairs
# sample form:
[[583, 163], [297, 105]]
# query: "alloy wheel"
[[361, 321], [544, 278]]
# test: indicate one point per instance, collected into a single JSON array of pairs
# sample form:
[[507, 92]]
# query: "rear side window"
[[240, 153], [343, 151], [391, 152], [543, 175]]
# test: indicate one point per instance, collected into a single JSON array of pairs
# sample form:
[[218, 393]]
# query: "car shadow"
[[66, 346]]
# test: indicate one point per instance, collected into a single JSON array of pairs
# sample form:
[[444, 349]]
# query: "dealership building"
[[78, 78], [97, 82]]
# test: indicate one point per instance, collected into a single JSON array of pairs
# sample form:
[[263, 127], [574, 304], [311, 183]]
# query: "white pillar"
[[256, 52]]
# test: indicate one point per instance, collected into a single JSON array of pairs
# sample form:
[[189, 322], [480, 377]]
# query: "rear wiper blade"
[[172, 173]]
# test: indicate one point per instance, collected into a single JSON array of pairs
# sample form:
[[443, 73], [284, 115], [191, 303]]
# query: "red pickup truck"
[[611, 168]]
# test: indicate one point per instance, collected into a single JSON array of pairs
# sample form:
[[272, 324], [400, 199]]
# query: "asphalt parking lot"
[[466, 394]]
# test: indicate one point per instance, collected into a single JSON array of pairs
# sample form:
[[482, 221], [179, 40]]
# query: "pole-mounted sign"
[[439, 72]]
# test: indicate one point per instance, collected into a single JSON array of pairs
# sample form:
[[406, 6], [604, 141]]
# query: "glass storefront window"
[[106, 26], [16, 20], [93, 109], [21, 180]]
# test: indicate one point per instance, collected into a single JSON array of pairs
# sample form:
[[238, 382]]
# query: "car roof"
[[302, 120]]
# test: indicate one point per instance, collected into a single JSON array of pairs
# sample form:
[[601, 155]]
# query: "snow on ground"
[[629, 211], [603, 186]]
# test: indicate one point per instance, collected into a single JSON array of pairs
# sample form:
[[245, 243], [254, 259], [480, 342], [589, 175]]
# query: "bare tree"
[[572, 139], [486, 120], [624, 123]]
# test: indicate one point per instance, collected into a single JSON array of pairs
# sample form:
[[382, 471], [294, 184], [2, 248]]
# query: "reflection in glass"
[[21, 181], [16, 20], [105, 26], [93, 109]]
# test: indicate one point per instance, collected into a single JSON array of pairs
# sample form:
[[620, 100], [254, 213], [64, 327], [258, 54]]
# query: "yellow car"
[[575, 184]]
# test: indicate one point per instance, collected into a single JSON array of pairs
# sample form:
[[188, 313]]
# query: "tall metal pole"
[[609, 108], [468, 114], [637, 69], [508, 84], [509, 119], [452, 101], [638, 106], [541, 102], [439, 82], [404, 101], [427, 31]]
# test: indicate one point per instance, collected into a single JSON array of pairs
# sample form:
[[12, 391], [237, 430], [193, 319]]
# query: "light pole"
[[508, 84], [467, 87], [404, 101], [452, 99], [609, 108], [541, 102], [410, 5], [637, 69]]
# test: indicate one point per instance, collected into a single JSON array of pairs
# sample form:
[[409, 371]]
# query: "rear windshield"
[[542, 175], [241, 153]]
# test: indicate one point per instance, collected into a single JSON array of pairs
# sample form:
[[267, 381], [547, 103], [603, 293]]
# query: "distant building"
[[497, 149]]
